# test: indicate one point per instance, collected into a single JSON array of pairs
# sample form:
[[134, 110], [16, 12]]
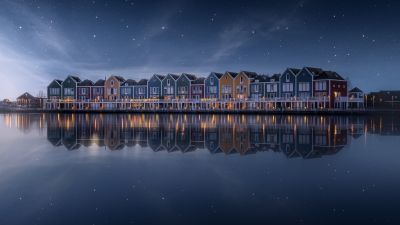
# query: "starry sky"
[[45, 40]]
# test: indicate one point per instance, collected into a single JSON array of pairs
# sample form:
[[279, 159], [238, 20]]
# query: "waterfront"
[[198, 169]]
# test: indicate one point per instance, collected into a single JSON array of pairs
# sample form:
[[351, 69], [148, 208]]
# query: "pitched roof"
[[119, 78], [295, 71], [174, 76], [233, 74], [314, 70], [328, 75], [356, 89], [218, 75], [99, 82], [260, 78], [86, 83], [75, 78], [161, 77], [58, 81], [250, 74], [142, 82], [26, 95], [191, 77], [199, 80], [130, 82], [275, 77]]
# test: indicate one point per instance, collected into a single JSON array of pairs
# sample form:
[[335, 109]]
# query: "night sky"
[[44, 40]]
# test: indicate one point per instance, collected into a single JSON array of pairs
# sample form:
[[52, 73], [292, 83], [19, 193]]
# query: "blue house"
[[304, 84], [69, 87], [169, 86], [288, 83], [54, 90], [257, 86], [140, 89], [211, 84], [126, 89], [272, 86], [183, 85], [154, 86]]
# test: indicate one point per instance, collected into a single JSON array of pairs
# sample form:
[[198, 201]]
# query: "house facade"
[[112, 87], [241, 84], [304, 82], [169, 86], [197, 89], [288, 83], [332, 86], [226, 85], [258, 86], [69, 87], [98, 90], [126, 89], [183, 85], [154, 86], [85, 90], [54, 90], [272, 86], [212, 85], [140, 89]]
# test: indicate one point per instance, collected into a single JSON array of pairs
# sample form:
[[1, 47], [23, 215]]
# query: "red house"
[[331, 85], [197, 88]]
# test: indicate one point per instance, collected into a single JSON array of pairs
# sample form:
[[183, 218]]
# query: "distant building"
[[384, 99], [29, 101]]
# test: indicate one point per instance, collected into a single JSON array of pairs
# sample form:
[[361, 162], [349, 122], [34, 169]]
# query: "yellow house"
[[226, 85], [241, 84]]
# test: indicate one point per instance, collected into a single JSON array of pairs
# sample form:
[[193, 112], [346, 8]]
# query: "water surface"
[[198, 169]]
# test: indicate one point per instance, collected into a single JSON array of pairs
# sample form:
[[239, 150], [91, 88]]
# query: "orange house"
[[241, 84], [112, 87], [226, 85]]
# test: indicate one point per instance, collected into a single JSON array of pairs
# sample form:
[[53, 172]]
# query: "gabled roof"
[[356, 90], [314, 70], [260, 79], [232, 74], [74, 78], [275, 77], [26, 95], [218, 75], [86, 83], [250, 74], [174, 76], [199, 80], [328, 75], [191, 77], [100, 82], [142, 82], [130, 82], [120, 79], [295, 71], [161, 77], [59, 82]]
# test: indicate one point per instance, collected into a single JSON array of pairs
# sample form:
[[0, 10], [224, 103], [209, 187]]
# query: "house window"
[[168, 82], [320, 86], [54, 91], [212, 90], [241, 80], [69, 91], [287, 87], [304, 86], [212, 80], [112, 82], [287, 78], [141, 90]]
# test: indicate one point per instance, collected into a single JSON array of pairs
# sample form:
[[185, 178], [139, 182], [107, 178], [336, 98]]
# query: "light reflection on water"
[[170, 168]]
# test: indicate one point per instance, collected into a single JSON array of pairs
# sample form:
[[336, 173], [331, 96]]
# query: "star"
[[163, 28], [94, 36], [20, 28]]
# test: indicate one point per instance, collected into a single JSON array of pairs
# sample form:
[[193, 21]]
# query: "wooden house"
[[212, 85], [169, 86], [84, 90], [69, 88], [54, 90], [226, 85], [197, 89], [112, 87], [183, 85], [154, 86]]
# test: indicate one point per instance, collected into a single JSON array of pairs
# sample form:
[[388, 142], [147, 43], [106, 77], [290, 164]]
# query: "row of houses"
[[294, 83]]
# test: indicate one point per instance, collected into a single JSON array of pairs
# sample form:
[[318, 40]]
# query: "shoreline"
[[244, 112]]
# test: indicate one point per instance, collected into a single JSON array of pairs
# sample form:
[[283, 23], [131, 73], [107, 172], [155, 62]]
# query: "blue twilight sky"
[[44, 40]]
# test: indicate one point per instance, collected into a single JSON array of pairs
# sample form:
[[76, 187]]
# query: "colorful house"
[[257, 87], [226, 85], [169, 86], [112, 87], [183, 85], [272, 86], [304, 81], [331, 85], [211, 85], [98, 90], [197, 88], [54, 90], [69, 87], [288, 83], [154, 86], [356, 98], [84, 90], [127, 89], [241, 84], [140, 89]]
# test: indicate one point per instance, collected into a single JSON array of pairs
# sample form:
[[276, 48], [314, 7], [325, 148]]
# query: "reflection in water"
[[294, 136]]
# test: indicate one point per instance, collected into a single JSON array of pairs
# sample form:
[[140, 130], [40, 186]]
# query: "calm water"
[[191, 169]]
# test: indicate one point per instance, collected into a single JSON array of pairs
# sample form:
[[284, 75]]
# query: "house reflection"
[[294, 136]]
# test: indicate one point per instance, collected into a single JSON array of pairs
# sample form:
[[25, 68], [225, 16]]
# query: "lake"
[[199, 169]]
